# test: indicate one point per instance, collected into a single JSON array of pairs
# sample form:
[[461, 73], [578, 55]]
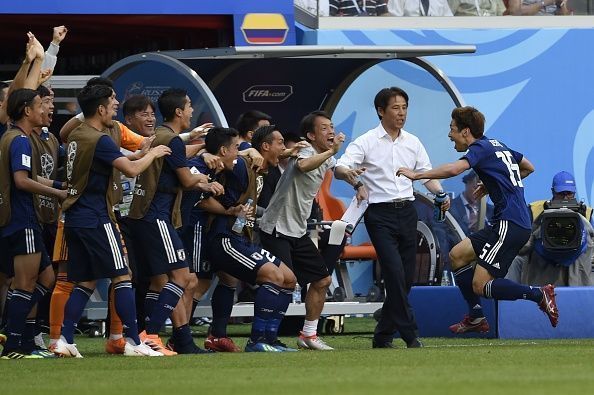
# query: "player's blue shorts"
[[95, 253], [194, 240], [238, 257], [22, 242], [497, 245], [158, 247]]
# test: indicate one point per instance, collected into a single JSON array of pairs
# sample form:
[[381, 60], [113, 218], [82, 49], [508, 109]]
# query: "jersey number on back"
[[513, 168]]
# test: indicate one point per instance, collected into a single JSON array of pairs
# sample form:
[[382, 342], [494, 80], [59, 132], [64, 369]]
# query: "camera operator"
[[561, 247]]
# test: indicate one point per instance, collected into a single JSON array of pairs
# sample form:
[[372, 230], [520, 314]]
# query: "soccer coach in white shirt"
[[369, 164]]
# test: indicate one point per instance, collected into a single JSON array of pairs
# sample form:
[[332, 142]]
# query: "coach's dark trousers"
[[392, 228]]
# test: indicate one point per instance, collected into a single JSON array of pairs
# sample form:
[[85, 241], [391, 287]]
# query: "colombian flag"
[[264, 28]]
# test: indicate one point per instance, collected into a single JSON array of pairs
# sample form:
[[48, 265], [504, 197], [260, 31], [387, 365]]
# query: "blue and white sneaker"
[[43, 353], [260, 347], [282, 346]]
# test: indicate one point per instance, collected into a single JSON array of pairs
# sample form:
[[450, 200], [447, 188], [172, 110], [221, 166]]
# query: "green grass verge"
[[444, 366]]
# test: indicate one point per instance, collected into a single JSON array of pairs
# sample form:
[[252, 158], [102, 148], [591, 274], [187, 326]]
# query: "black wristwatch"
[[357, 186]]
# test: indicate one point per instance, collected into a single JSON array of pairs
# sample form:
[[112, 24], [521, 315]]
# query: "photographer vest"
[[80, 152], [6, 174], [44, 163], [147, 183]]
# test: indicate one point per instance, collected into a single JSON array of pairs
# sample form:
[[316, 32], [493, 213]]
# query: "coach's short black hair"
[[170, 100], [383, 98], [218, 137], [137, 103], [91, 97], [18, 101], [248, 121]]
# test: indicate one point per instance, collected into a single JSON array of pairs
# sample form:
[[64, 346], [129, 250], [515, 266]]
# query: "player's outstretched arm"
[[134, 168]]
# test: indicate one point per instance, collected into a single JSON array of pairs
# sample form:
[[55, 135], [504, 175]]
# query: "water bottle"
[[445, 278], [297, 294], [241, 218], [438, 214]]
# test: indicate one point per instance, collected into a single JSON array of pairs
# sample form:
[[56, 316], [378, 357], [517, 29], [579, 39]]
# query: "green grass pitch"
[[444, 366]]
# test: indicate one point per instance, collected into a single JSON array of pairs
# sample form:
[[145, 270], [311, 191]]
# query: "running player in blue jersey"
[[493, 248]]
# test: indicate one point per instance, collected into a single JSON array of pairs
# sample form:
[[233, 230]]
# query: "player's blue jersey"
[[90, 210], [192, 214], [497, 167], [22, 211], [162, 203], [236, 183]]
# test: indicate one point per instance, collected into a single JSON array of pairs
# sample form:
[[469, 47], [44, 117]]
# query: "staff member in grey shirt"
[[391, 219], [283, 227]]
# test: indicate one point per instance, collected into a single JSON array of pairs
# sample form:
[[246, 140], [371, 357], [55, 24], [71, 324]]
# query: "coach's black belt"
[[394, 204]]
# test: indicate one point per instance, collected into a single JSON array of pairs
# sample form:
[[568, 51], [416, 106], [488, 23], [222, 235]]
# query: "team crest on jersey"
[[47, 165], [181, 254], [256, 256], [70, 159]]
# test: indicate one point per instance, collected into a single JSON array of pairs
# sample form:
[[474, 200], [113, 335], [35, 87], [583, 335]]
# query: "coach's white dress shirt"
[[376, 151]]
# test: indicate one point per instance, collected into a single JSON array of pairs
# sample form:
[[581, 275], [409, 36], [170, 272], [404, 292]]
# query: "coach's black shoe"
[[381, 344], [414, 343]]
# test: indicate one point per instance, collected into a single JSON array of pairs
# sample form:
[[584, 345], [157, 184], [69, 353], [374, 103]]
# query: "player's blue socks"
[[266, 300], [125, 306], [20, 306], [168, 299], [150, 299], [284, 299], [182, 337], [27, 341], [73, 311], [38, 293], [6, 305], [222, 306], [503, 289], [464, 281]]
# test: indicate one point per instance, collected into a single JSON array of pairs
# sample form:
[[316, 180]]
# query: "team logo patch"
[[181, 254], [26, 160], [47, 165], [257, 256]]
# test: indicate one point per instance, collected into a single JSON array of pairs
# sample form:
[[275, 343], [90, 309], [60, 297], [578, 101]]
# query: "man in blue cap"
[[537, 263], [562, 188]]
